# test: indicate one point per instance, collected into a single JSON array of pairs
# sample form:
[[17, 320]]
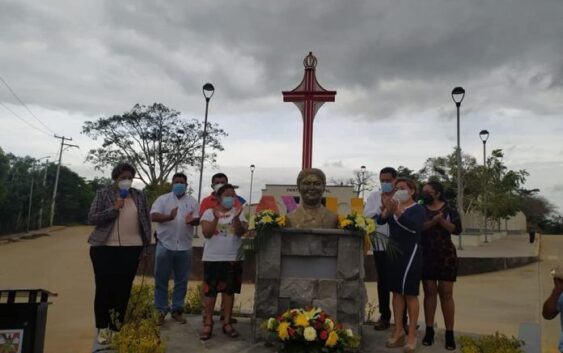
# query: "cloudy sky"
[[393, 63]]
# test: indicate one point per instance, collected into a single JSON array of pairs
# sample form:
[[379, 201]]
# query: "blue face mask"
[[179, 189], [228, 202], [386, 187]]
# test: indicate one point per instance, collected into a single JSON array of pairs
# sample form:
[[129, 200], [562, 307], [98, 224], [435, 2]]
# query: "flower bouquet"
[[358, 223], [260, 225], [310, 330], [267, 220]]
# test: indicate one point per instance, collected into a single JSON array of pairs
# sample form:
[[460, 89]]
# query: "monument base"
[[297, 268]]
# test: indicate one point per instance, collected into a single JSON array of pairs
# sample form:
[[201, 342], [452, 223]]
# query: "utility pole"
[[63, 144], [40, 220]]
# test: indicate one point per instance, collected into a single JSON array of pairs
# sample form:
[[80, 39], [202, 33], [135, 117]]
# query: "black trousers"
[[114, 272], [383, 292]]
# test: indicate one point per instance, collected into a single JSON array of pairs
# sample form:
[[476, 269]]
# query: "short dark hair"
[[219, 175], [180, 175], [438, 188], [224, 188], [122, 167], [389, 170]]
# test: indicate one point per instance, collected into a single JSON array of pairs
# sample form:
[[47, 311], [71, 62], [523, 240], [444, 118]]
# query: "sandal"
[[450, 341], [232, 332], [207, 332], [428, 339]]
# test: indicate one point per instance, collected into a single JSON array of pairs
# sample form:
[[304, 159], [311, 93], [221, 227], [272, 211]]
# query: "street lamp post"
[[252, 168], [208, 91], [484, 135], [458, 93], [362, 186], [177, 154]]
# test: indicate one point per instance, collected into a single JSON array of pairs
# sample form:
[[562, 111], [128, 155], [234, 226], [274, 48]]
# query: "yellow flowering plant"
[[356, 222], [267, 220], [310, 330]]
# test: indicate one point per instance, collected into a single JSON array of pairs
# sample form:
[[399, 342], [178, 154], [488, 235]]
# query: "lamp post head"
[[484, 135], [458, 93], [208, 91], [252, 167]]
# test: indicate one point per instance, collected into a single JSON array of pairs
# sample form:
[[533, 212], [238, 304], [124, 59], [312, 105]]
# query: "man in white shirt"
[[175, 212], [387, 178]]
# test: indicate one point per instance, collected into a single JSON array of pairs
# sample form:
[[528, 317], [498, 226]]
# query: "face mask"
[[427, 199], [386, 187], [179, 189], [228, 202], [401, 195], [216, 187], [124, 184]]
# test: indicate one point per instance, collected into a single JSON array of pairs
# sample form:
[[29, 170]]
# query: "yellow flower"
[[301, 320], [281, 221], [309, 333], [371, 226], [282, 331], [312, 313], [345, 223], [360, 221], [266, 219], [332, 339]]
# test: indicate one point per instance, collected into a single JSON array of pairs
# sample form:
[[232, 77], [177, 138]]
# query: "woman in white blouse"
[[222, 226]]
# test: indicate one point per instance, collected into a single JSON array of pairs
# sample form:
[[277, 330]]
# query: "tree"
[[361, 181], [155, 139]]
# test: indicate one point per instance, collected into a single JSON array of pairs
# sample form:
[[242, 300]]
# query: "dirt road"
[[486, 303]]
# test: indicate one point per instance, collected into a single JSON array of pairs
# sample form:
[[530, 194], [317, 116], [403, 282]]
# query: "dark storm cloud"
[[382, 56]]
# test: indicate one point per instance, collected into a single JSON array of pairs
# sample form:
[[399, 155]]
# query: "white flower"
[[271, 323], [329, 324], [310, 334], [349, 332]]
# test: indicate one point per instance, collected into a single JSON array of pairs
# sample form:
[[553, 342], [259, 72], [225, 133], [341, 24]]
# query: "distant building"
[[340, 195]]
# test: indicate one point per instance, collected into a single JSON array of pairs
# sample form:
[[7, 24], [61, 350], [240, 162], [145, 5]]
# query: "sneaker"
[[104, 336], [160, 319], [179, 317], [381, 325]]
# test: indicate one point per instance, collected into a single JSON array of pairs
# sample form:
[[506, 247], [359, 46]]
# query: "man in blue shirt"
[[175, 212]]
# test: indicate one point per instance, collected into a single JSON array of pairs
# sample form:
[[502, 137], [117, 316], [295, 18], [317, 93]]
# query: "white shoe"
[[104, 336]]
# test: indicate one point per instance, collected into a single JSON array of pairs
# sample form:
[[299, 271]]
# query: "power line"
[[22, 103], [25, 121]]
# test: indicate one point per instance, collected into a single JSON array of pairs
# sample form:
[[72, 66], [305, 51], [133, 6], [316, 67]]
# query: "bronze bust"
[[310, 213]]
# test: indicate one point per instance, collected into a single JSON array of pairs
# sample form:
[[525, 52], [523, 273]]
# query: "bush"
[[497, 343], [140, 333], [194, 303]]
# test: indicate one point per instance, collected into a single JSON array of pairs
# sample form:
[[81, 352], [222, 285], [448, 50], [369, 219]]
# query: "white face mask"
[[124, 184], [401, 195]]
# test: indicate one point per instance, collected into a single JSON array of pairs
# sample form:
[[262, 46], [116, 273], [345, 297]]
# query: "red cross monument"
[[309, 96]]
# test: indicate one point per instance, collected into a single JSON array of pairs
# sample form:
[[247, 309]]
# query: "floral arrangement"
[[358, 223], [310, 330], [267, 220]]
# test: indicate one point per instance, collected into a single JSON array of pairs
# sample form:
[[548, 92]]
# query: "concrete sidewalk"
[[185, 338], [509, 246]]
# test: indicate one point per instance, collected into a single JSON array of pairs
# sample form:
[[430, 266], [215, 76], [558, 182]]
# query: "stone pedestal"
[[316, 267]]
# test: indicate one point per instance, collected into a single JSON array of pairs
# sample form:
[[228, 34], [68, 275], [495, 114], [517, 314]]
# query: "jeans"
[[166, 261]]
